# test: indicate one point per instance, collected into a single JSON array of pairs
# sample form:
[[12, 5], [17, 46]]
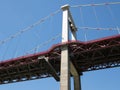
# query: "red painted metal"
[[86, 56]]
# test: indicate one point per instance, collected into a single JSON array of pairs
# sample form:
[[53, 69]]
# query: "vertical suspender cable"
[[83, 23], [17, 45], [113, 17], [96, 17]]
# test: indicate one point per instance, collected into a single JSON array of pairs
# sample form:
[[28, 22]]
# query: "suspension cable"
[[83, 23], [113, 18], [81, 17], [95, 28], [29, 27], [97, 4], [43, 44], [96, 16]]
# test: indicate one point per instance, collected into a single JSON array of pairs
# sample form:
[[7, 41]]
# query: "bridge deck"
[[86, 56]]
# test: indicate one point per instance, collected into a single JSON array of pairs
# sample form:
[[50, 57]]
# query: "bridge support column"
[[76, 77], [65, 68], [77, 82]]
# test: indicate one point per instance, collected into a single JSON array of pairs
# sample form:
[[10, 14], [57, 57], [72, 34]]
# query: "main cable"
[[29, 27], [97, 4], [95, 28]]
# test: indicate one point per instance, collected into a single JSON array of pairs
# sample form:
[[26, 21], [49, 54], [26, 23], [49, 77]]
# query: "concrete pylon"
[[67, 68]]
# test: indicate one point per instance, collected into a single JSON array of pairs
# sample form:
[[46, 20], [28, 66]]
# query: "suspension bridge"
[[71, 57]]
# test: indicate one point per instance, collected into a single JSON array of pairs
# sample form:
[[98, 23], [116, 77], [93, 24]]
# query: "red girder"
[[86, 56]]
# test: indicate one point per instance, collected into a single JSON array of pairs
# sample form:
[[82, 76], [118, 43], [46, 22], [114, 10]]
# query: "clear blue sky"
[[16, 15]]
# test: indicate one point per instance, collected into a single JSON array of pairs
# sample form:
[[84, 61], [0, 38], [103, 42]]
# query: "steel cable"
[[28, 28]]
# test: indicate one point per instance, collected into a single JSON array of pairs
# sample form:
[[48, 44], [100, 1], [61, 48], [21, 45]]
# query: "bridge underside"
[[85, 56]]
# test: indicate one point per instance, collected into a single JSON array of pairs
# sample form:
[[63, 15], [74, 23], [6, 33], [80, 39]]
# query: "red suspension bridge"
[[92, 55], [81, 56]]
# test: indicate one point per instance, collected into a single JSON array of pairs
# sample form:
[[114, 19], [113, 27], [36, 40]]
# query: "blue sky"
[[16, 15]]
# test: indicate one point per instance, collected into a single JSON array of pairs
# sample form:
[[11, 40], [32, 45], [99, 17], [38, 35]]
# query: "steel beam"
[[53, 72]]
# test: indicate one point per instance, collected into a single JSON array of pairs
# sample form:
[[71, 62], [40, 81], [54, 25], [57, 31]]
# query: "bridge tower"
[[67, 67]]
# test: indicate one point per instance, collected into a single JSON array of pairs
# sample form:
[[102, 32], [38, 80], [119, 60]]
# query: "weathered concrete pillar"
[[67, 66], [76, 77], [65, 70], [77, 82]]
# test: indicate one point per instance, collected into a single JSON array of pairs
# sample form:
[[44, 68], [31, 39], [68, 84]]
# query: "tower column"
[[65, 72], [77, 83], [67, 68]]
